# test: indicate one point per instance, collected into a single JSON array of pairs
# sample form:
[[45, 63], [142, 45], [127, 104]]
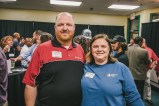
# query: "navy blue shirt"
[[3, 78]]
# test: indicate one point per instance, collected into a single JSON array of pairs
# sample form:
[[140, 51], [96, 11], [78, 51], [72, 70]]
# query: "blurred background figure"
[[119, 45], [84, 39], [16, 42], [153, 57], [138, 62], [6, 44], [26, 56], [22, 42], [27, 43], [16, 46], [131, 42]]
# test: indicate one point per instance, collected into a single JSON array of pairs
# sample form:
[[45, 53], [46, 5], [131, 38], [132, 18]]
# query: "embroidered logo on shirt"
[[56, 54], [111, 75], [89, 75]]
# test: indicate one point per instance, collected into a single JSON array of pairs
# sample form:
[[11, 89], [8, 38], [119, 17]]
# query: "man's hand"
[[153, 64], [6, 48], [13, 59]]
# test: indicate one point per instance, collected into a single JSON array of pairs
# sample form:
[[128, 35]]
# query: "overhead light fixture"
[[126, 7], [7, 0], [66, 3]]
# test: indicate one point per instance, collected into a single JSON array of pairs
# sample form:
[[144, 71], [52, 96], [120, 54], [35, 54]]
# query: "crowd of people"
[[79, 71]]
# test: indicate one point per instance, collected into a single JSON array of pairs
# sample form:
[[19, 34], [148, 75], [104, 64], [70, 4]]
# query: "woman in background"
[[6, 44], [107, 82]]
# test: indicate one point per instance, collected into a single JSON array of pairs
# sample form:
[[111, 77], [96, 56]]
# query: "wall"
[[49, 16], [145, 15]]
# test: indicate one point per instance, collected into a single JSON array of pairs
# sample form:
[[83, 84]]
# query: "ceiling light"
[[66, 3], [6, 0], [126, 7]]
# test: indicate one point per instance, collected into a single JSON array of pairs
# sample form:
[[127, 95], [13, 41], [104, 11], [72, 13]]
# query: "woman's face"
[[100, 51], [9, 42]]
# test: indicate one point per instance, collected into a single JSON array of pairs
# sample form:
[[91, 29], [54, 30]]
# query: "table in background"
[[16, 88]]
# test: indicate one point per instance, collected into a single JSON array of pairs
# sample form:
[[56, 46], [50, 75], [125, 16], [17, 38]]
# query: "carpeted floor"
[[155, 99]]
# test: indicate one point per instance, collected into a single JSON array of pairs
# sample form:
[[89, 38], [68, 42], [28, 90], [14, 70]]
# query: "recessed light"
[[66, 3]]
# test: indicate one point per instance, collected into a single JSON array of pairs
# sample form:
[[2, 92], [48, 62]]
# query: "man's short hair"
[[138, 40]]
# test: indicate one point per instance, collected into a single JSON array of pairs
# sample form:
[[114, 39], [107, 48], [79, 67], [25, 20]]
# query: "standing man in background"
[[138, 62], [119, 45], [3, 79], [147, 88], [55, 71]]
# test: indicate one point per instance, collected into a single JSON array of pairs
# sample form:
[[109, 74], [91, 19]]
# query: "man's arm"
[[30, 95]]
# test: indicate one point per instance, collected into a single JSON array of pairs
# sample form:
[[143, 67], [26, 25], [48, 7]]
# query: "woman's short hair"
[[4, 40]]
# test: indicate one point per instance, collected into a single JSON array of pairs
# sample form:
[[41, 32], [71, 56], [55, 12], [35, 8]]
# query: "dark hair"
[[45, 37], [38, 32], [123, 46], [138, 40], [89, 56]]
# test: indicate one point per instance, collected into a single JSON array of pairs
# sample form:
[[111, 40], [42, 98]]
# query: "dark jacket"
[[123, 58]]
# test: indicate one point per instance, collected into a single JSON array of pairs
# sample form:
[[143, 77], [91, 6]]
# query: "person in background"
[[157, 70], [6, 44], [138, 62], [107, 82], [27, 56], [3, 79], [43, 38], [119, 45], [84, 39], [22, 42], [28, 43], [16, 43], [16, 46], [55, 71], [131, 42], [153, 57]]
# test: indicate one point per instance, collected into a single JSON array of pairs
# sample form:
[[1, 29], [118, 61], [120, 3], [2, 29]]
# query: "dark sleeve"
[[124, 60], [146, 58], [15, 44]]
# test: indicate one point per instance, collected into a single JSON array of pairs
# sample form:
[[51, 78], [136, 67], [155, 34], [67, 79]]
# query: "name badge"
[[89, 75], [56, 54], [11, 55]]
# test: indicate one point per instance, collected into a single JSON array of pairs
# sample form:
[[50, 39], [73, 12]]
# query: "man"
[[84, 39], [56, 68], [16, 44], [138, 62], [3, 79], [28, 43], [119, 46], [28, 54], [147, 88]]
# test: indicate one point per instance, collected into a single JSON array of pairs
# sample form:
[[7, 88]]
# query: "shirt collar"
[[56, 43]]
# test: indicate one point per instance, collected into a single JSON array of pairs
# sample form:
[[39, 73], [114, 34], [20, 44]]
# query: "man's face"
[[64, 28], [115, 46], [35, 37]]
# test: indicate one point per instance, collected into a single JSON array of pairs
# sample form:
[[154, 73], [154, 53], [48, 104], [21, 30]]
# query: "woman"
[[6, 44], [107, 82]]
